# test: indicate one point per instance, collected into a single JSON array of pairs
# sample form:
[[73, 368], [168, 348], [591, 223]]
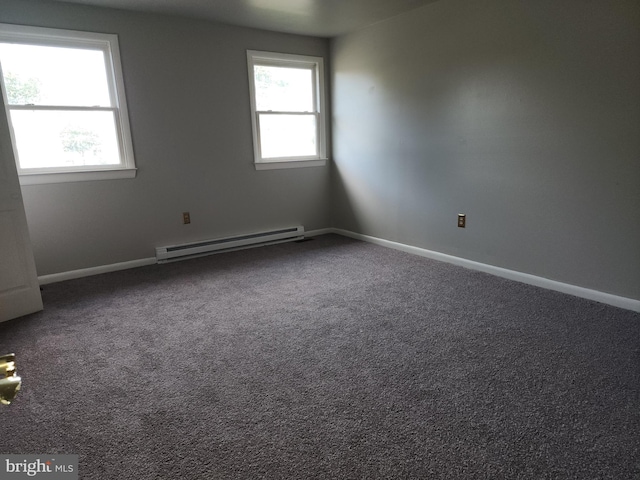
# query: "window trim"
[[109, 45], [255, 57]]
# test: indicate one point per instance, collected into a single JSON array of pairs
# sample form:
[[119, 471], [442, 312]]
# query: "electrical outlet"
[[186, 218], [462, 220]]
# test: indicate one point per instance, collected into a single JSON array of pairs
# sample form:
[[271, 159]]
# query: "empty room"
[[320, 239]]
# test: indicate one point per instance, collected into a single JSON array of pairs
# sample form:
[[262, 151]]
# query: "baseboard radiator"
[[198, 249]]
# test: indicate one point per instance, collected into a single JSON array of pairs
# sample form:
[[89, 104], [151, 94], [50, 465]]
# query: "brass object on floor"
[[9, 380]]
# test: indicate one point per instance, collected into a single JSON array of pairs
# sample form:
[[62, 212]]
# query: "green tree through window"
[[80, 140], [22, 91]]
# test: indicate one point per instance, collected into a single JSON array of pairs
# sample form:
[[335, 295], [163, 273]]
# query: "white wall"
[[187, 90], [525, 115]]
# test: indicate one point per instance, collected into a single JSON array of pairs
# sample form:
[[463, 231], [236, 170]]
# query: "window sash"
[[314, 81], [315, 64], [26, 170], [316, 119], [104, 51], [62, 108], [108, 45]]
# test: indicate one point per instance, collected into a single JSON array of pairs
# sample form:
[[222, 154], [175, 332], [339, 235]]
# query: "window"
[[287, 110], [64, 99]]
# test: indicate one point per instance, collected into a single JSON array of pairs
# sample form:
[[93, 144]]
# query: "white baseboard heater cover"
[[207, 247]]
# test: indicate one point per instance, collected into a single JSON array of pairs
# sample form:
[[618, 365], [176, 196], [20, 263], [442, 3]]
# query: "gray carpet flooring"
[[330, 358]]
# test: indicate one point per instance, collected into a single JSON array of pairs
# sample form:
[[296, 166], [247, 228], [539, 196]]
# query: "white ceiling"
[[322, 18]]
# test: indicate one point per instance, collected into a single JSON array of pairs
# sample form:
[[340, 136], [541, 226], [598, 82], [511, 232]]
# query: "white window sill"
[[290, 164], [66, 177]]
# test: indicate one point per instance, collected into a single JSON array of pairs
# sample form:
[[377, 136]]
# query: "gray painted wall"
[[525, 115], [187, 91]]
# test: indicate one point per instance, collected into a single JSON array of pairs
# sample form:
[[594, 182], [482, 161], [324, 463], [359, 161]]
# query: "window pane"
[[47, 139], [287, 135], [54, 76], [284, 89]]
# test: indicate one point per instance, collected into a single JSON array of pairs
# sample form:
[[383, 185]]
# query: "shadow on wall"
[[366, 153], [343, 214]]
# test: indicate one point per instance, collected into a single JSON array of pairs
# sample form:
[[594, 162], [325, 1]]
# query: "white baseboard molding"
[[114, 267], [320, 231], [609, 299], [87, 272]]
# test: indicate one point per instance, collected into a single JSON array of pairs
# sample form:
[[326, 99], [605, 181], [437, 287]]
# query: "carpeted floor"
[[330, 358]]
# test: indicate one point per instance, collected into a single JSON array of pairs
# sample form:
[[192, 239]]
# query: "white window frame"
[[108, 44], [316, 64]]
